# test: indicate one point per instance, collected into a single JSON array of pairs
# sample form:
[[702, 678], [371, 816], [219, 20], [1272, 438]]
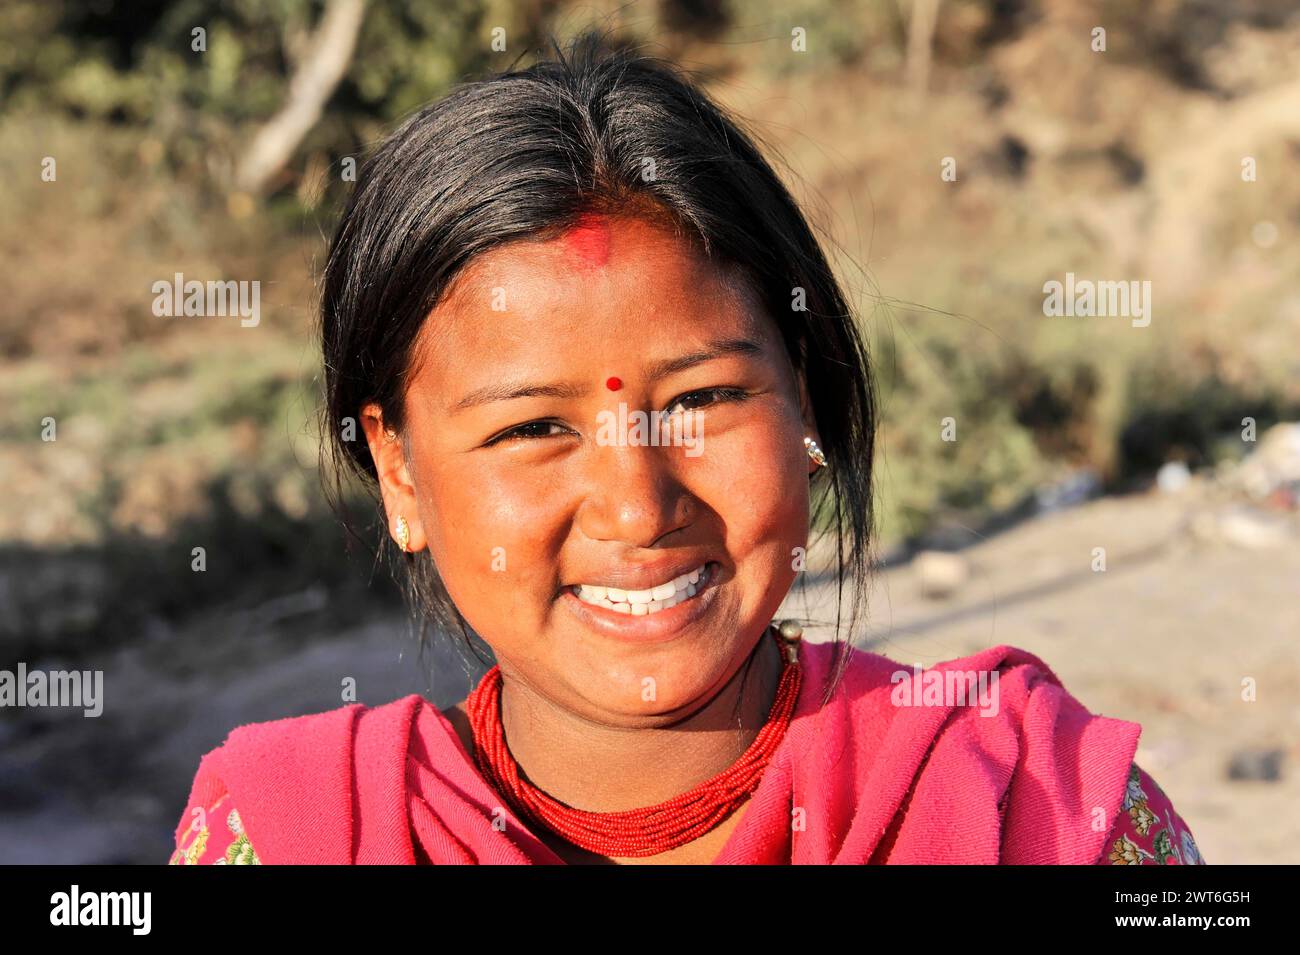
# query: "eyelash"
[[722, 395]]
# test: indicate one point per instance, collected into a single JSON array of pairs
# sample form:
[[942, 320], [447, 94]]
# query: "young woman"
[[605, 379]]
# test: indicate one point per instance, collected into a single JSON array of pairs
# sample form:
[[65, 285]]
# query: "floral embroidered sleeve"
[[1147, 831], [215, 837]]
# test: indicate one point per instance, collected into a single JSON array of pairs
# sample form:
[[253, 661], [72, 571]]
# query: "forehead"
[[599, 255], [605, 287]]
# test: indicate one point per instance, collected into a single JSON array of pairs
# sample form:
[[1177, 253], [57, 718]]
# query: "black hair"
[[526, 152]]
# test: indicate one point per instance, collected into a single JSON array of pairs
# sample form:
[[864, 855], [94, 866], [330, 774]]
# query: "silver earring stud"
[[814, 452]]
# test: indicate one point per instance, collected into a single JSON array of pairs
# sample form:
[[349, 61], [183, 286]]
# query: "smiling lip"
[[644, 576], [646, 628]]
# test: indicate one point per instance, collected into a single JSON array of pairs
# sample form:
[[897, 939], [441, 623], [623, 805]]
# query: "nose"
[[634, 495]]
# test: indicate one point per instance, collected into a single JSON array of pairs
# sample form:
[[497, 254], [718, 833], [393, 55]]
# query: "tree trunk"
[[314, 81]]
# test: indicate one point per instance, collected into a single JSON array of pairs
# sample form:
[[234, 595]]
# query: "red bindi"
[[613, 383], [588, 241]]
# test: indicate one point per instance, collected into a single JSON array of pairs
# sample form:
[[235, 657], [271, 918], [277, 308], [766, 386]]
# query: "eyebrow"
[[505, 391]]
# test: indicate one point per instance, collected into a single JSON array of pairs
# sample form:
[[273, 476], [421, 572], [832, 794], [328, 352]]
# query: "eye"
[[528, 431], [691, 401], [706, 396]]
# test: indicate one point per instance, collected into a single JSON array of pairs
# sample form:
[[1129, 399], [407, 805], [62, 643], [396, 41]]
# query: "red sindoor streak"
[[588, 241]]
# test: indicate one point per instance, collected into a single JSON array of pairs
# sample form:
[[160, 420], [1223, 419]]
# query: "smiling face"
[[515, 486]]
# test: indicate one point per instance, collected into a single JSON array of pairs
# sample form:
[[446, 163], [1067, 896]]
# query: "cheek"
[[493, 536], [756, 484]]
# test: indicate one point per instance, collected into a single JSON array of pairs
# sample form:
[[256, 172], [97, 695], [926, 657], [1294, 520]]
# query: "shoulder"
[[1148, 830], [1001, 669], [213, 834], [259, 777], [1002, 697], [1049, 768], [1004, 693], [312, 735]]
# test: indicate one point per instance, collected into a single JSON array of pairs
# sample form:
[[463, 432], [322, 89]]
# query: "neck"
[[603, 768]]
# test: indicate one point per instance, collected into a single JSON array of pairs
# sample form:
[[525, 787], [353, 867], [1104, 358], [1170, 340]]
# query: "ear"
[[395, 484], [806, 412]]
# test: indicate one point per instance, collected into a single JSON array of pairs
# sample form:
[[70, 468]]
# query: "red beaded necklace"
[[634, 832]]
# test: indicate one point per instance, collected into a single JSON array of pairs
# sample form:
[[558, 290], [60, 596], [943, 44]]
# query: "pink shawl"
[[859, 780]]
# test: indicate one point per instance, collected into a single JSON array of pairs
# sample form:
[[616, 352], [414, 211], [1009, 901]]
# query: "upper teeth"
[[665, 595]]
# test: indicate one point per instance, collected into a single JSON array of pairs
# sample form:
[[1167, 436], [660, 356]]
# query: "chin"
[[669, 681]]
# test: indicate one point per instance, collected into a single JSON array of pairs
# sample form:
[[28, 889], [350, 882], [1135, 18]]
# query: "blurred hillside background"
[[1171, 156]]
